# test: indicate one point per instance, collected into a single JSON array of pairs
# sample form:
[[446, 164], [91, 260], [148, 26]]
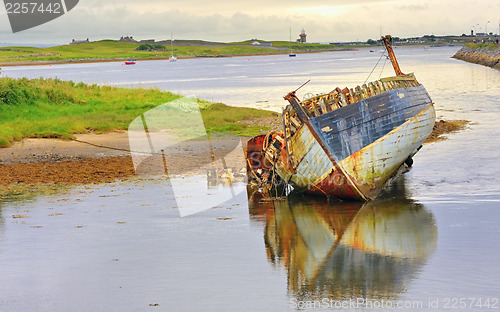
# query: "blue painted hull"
[[347, 143], [349, 129]]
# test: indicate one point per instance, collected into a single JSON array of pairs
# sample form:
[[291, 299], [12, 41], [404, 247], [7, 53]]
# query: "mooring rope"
[[115, 148], [382, 71], [381, 55]]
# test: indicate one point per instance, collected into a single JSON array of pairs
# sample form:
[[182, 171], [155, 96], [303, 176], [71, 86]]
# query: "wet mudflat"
[[191, 244]]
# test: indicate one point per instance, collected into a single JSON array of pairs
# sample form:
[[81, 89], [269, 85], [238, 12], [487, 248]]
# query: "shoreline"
[[104, 158], [485, 56], [180, 57]]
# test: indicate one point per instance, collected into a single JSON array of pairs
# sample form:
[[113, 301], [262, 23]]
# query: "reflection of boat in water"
[[347, 250], [349, 142]]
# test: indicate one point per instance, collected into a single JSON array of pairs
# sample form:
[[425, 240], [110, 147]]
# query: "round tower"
[[302, 36]]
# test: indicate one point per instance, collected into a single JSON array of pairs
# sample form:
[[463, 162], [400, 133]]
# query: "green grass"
[[490, 46], [51, 108], [110, 49], [294, 45], [222, 118]]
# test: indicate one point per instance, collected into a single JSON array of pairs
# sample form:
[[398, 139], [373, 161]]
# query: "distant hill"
[[113, 50], [34, 45], [193, 43]]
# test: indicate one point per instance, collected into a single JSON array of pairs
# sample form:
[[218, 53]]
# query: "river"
[[430, 243]]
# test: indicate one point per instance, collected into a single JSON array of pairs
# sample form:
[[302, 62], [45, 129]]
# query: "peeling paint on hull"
[[371, 167], [354, 159]]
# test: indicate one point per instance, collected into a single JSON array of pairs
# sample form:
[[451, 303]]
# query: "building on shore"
[[302, 36], [128, 39], [256, 42], [79, 41]]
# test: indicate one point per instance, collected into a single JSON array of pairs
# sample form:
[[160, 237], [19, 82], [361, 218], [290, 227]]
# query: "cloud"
[[224, 20], [112, 22], [413, 7]]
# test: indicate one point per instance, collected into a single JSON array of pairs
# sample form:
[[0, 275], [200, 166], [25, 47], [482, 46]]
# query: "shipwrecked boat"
[[347, 143]]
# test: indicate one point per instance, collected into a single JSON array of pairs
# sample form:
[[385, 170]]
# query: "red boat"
[[129, 62]]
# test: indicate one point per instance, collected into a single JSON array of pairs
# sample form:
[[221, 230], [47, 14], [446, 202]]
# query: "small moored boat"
[[290, 52], [172, 57]]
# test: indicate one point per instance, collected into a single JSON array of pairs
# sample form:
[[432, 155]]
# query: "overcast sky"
[[235, 20]]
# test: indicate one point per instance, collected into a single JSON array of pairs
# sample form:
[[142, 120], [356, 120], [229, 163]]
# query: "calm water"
[[429, 244]]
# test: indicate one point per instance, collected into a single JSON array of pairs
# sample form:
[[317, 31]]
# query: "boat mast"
[[172, 44], [387, 42]]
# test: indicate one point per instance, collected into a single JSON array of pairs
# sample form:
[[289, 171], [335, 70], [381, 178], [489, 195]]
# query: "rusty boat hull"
[[349, 142], [366, 152]]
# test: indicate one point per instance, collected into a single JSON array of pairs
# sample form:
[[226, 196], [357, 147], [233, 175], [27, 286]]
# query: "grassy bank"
[[488, 46], [297, 46], [110, 50], [51, 108], [480, 53]]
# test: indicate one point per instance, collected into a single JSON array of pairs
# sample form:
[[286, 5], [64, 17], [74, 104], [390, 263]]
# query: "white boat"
[[172, 58], [291, 53]]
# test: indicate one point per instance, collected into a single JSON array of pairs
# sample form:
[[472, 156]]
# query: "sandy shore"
[[101, 158]]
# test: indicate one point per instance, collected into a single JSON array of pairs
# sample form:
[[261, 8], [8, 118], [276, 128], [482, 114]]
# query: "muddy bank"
[[106, 157], [100, 170], [486, 56], [443, 127], [102, 60]]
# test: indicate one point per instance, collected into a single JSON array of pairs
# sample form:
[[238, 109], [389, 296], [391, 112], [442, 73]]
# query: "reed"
[[52, 108]]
